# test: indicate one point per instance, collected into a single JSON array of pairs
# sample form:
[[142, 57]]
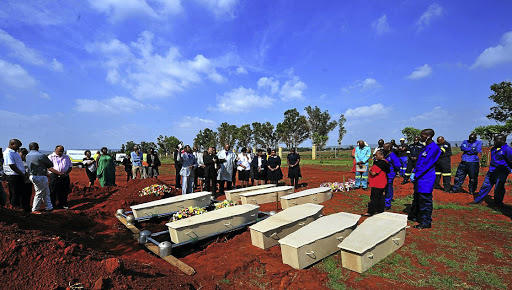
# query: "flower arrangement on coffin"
[[339, 186], [187, 212], [156, 189], [225, 203]]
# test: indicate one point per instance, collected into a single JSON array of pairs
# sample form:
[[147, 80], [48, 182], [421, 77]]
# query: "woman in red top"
[[378, 182]]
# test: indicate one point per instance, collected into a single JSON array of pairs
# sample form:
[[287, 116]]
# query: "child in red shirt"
[[378, 182]]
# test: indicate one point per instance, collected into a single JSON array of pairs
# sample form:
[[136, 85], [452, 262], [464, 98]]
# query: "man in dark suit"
[[259, 165], [210, 171]]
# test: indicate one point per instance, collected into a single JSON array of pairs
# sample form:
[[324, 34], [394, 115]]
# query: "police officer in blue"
[[469, 165], [443, 165], [501, 164], [402, 154], [423, 179], [413, 152], [394, 166]]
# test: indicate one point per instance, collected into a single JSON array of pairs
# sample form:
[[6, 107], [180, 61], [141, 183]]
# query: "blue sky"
[[98, 73]]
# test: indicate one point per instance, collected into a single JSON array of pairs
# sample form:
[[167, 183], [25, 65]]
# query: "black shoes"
[[474, 202], [420, 226]]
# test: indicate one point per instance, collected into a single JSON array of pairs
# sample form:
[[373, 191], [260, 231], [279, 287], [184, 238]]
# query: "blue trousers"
[[498, 177], [422, 207], [362, 179], [403, 167], [466, 168], [389, 192]]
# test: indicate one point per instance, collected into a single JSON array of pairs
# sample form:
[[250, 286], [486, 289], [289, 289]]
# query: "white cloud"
[[13, 75], [433, 11], [44, 95], [292, 89], [431, 115], [196, 122], [19, 50], [242, 100], [121, 9], [220, 7], [420, 72], [115, 105], [148, 74], [241, 70], [495, 55], [381, 26], [56, 65], [369, 84], [270, 83], [375, 110]]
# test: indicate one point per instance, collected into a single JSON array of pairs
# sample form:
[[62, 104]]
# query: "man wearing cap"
[[469, 165], [443, 165], [401, 152], [499, 169]]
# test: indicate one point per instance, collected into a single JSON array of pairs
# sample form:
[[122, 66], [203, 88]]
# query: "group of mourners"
[[143, 165], [423, 163], [208, 169]]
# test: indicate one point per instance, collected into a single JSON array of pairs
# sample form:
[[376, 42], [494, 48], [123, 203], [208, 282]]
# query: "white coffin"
[[172, 204], [234, 194], [212, 222], [266, 195], [313, 195], [267, 233], [373, 240], [317, 240]]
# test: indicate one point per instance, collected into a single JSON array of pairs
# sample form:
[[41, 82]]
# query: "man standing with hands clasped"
[[15, 172], [59, 179], [469, 165], [363, 154], [38, 165]]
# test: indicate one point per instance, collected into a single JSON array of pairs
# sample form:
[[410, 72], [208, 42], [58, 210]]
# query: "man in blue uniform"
[[469, 165], [423, 179], [363, 154], [443, 165], [402, 155], [501, 164], [413, 153], [394, 166]]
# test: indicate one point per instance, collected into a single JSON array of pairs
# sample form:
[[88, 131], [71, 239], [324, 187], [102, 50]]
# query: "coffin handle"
[[180, 205], [340, 238], [295, 203], [254, 201], [311, 254], [302, 224], [315, 199], [396, 241], [253, 214], [274, 236], [227, 224], [194, 236], [370, 256]]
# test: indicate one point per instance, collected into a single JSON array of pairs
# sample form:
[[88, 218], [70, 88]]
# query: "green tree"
[[145, 146], [341, 129], [293, 130], [129, 146], [264, 135], [503, 98], [410, 133], [244, 135], [122, 148], [166, 144], [206, 138], [320, 125], [488, 132], [227, 134]]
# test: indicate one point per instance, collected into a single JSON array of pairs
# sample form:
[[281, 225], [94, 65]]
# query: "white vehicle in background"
[[119, 158], [77, 156]]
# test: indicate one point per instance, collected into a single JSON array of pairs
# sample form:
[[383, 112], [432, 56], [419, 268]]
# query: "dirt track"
[[87, 246]]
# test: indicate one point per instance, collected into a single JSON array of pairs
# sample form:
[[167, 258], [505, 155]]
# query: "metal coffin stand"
[[313, 195], [171, 204], [318, 240], [373, 240], [234, 195], [197, 227], [267, 233], [266, 195]]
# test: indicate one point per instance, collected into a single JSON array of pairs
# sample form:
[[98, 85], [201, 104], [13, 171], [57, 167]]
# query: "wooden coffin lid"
[[266, 190], [252, 188], [323, 227], [373, 231], [306, 192], [287, 216], [218, 214], [172, 199]]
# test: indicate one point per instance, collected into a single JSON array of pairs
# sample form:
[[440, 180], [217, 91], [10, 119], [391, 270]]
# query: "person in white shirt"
[[228, 160], [187, 170], [15, 174], [244, 167]]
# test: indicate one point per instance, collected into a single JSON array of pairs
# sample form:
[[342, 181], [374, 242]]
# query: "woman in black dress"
[[294, 167], [274, 168], [90, 167]]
